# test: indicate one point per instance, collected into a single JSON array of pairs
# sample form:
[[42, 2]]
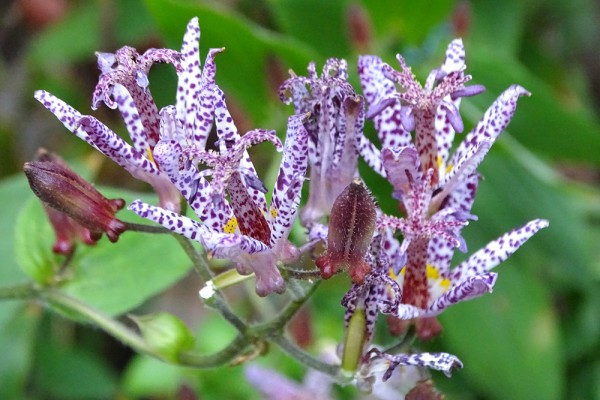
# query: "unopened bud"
[[165, 334], [62, 189], [351, 227]]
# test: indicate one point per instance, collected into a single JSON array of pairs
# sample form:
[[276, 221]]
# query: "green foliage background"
[[536, 337]]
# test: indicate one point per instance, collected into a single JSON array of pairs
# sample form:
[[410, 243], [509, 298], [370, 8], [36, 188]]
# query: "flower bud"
[[351, 227], [165, 334], [62, 189]]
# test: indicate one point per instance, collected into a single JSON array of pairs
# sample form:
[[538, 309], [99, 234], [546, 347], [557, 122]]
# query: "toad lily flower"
[[435, 195], [334, 131], [379, 293], [245, 232], [124, 84]]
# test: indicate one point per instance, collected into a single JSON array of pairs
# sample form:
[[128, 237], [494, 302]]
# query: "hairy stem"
[[23, 291], [130, 226]]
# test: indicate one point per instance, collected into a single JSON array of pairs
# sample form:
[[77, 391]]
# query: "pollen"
[[231, 225], [273, 212]]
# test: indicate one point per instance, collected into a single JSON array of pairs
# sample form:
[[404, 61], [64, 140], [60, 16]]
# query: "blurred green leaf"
[[322, 24], [544, 122], [112, 277], [12, 192], [17, 339], [33, 243], [509, 340], [242, 70], [407, 22], [147, 377], [66, 372]]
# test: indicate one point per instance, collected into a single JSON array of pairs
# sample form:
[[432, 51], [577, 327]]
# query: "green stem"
[[220, 358], [198, 260], [306, 359], [300, 273], [130, 226], [24, 291], [112, 326]]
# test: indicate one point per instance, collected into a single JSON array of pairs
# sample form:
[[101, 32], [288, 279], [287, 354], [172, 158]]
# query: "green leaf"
[[410, 21], [33, 243], [508, 340], [66, 372], [241, 70], [12, 192], [17, 333], [112, 277], [147, 377], [545, 122], [322, 24]]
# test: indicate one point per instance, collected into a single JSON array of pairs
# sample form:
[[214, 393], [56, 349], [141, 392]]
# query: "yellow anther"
[[273, 212], [231, 225]]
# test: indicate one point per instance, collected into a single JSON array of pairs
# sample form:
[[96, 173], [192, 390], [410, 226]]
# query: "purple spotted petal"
[[496, 251], [455, 57], [439, 361], [464, 168], [376, 88], [249, 255], [468, 289], [288, 186], [170, 220], [130, 70], [401, 164], [195, 91], [131, 117], [494, 121]]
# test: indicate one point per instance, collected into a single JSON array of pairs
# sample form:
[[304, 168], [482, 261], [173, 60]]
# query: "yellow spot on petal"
[[440, 162], [273, 212], [445, 284], [449, 168], [231, 225], [432, 272]]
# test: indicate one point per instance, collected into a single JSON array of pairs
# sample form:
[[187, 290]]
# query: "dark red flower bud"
[[63, 190], [351, 227]]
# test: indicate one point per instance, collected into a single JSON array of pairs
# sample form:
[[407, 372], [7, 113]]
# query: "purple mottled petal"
[[376, 88], [114, 147], [468, 91], [439, 361], [455, 57], [131, 117], [494, 121], [464, 168], [288, 186], [400, 163], [170, 220], [170, 127], [371, 155], [248, 254], [233, 246], [274, 386], [496, 251], [468, 289]]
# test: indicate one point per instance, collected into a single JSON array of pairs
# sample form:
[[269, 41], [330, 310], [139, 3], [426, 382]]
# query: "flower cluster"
[[400, 265]]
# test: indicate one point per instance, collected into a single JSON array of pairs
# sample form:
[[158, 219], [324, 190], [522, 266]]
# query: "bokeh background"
[[536, 337]]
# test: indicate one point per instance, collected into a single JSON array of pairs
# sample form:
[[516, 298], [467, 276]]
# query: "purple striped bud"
[[351, 227], [62, 189]]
